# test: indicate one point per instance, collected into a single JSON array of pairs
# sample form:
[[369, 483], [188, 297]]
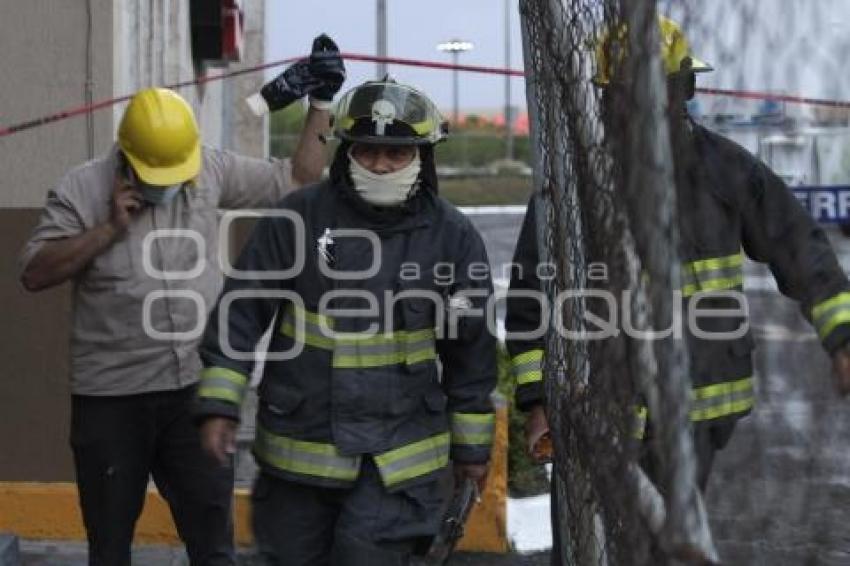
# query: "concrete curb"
[[51, 511], [10, 553]]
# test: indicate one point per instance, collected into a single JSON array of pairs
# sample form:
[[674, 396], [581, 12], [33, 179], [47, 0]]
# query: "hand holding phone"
[[126, 200]]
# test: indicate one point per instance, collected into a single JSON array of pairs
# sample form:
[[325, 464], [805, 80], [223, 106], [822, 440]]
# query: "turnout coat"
[[729, 204], [385, 309]]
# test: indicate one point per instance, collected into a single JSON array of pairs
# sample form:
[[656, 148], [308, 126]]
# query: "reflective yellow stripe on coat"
[[316, 459], [323, 461], [830, 314], [711, 402], [473, 429], [401, 347], [413, 460], [713, 274], [528, 366], [356, 350], [222, 384]]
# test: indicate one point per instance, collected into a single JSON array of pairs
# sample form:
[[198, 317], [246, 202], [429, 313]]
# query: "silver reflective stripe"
[[313, 332], [528, 366], [355, 350], [690, 278], [404, 346], [473, 428], [414, 460], [712, 402], [722, 399], [316, 459], [831, 313], [392, 347], [712, 274], [640, 422], [366, 349], [223, 384], [221, 388]]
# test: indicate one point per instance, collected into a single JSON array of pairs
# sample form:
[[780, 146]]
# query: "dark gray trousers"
[[118, 443], [303, 525]]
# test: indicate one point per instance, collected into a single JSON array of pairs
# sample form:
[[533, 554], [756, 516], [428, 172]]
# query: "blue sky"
[[414, 30], [792, 46]]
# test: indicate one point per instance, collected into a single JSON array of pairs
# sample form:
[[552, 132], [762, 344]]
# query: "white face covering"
[[389, 189]]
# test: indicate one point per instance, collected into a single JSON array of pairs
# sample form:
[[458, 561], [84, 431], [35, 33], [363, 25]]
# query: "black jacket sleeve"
[[778, 230], [524, 322], [467, 351], [247, 306]]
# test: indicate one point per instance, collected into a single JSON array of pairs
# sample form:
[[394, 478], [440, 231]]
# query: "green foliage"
[[479, 148], [524, 476], [290, 120], [476, 147], [284, 128], [489, 190]]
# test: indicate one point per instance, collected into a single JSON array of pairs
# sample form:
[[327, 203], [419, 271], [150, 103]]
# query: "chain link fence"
[[605, 186]]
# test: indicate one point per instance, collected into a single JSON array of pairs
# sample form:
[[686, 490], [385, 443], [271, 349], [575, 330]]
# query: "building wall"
[[248, 134], [44, 71], [134, 44]]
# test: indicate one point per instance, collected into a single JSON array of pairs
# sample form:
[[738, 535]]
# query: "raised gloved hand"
[[326, 65], [294, 83], [320, 75]]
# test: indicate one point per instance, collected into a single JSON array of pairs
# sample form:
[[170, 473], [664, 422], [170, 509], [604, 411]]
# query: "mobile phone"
[[129, 175], [125, 171]]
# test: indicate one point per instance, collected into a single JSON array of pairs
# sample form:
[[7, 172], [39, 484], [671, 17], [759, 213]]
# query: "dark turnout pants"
[[118, 443], [303, 525]]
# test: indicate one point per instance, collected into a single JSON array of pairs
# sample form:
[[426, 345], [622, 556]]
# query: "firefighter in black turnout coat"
[[378, 283], [729, 204]]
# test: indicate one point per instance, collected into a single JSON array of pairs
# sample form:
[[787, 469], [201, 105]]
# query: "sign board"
[[826, 204]]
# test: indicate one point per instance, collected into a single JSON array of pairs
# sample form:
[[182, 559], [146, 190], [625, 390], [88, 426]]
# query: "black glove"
[[294, 83], [326, 65]]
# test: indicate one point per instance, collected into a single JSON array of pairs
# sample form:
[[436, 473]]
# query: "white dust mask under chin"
[[389, 189]]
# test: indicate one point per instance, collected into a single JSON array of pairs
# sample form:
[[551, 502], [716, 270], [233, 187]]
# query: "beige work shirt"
[[139, 308]]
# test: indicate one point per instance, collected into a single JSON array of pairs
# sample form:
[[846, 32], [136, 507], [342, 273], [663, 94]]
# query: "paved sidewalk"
[[61, 553]]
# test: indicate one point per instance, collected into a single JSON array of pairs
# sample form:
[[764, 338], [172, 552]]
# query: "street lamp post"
[[509, 124], [381, 39], [455, 47]]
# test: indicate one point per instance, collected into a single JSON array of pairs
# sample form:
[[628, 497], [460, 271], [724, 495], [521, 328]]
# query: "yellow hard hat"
[[675, 51], [159, 136]]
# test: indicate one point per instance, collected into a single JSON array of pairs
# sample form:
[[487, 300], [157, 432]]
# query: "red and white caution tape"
[[87, 109]]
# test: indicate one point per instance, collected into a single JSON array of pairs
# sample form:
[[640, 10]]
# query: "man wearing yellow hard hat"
[[729, 204], [136, 232]]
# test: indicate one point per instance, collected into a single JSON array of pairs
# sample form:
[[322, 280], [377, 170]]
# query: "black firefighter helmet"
[[386, 112]]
